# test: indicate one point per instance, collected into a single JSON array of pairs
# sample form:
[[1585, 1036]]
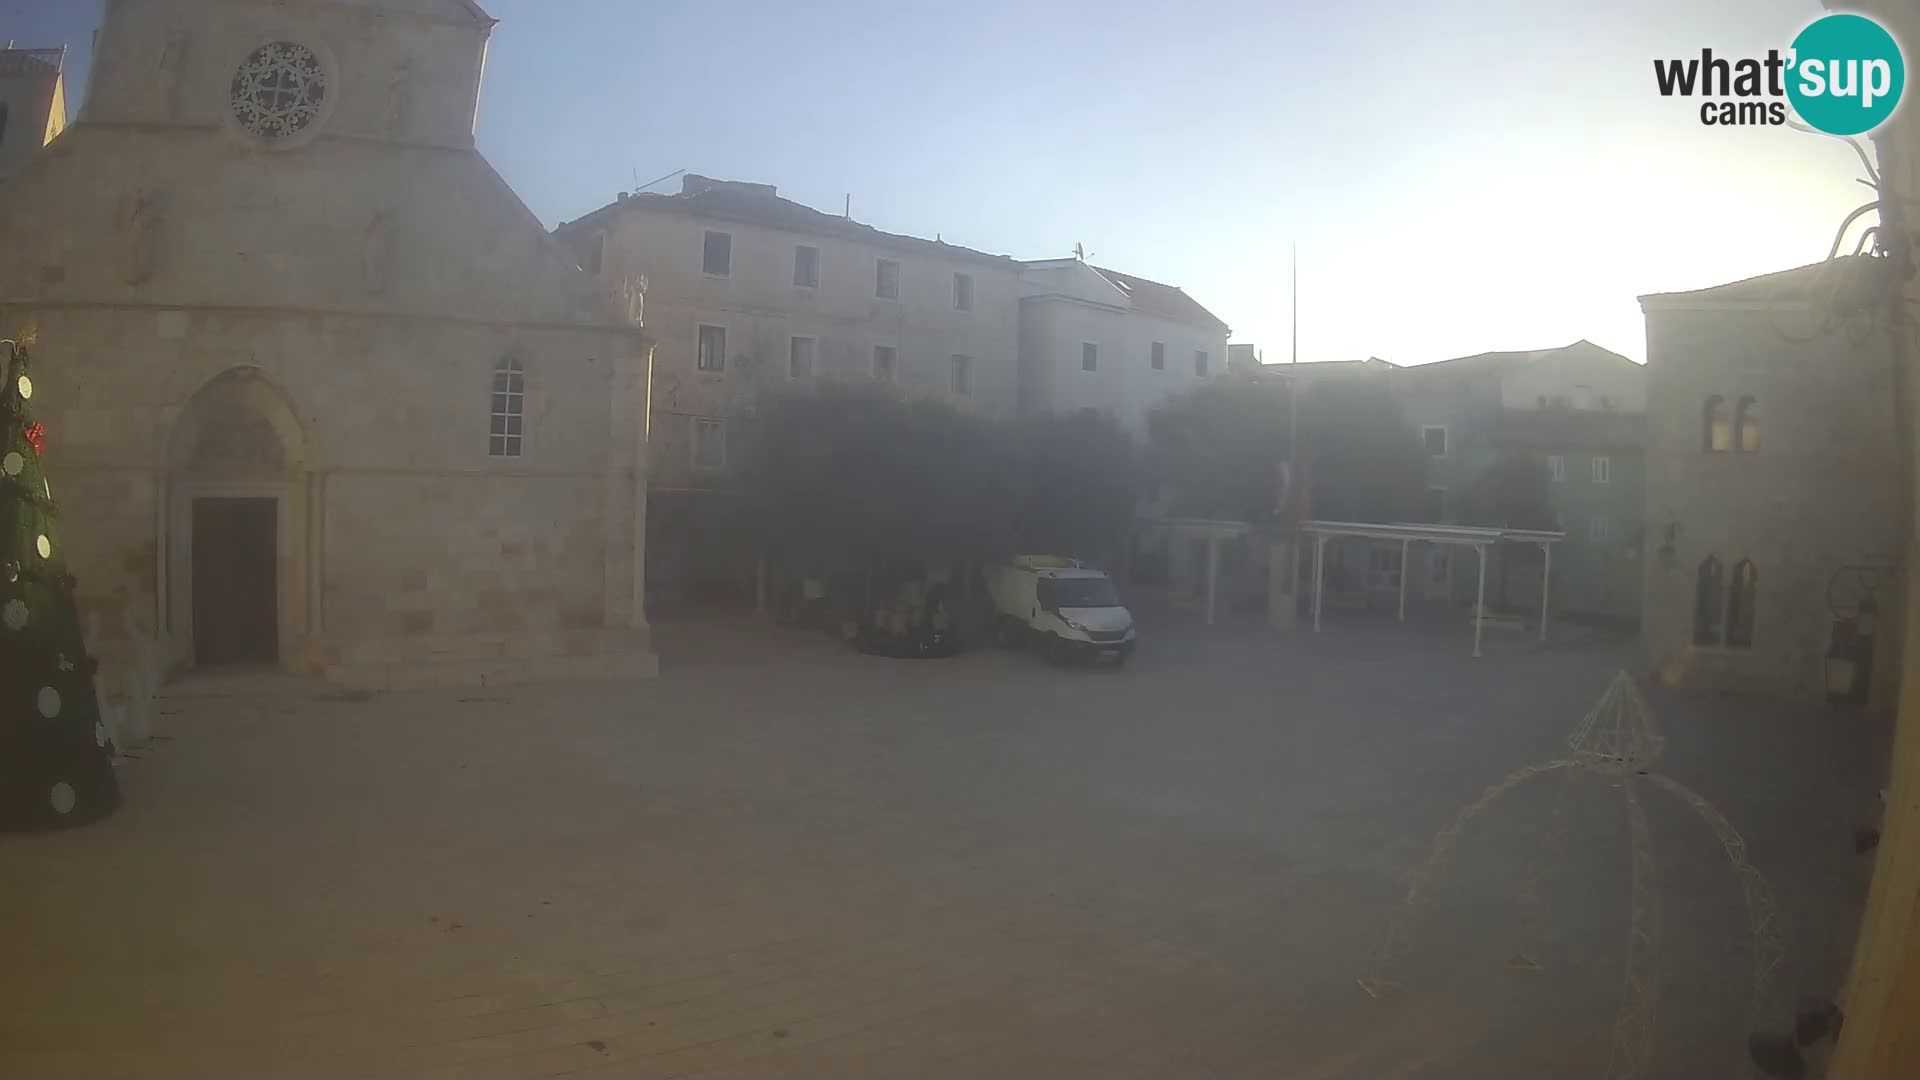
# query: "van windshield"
[[1085, 592]]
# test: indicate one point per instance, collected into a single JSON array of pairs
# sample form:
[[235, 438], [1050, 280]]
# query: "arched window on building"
[[509, 409], [1746, 426], [3, 121], [1740, 597], [1717, 437], [1709, 603]]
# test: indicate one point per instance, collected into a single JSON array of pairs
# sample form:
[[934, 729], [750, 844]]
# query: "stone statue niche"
[[143, 216], [376, 262], [400, 100], [173, 63]]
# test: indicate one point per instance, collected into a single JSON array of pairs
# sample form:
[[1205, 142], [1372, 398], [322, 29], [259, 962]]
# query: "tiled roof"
[[1831, 277], [1487, 362], [17, 63], [761, 204], [1166, 301]]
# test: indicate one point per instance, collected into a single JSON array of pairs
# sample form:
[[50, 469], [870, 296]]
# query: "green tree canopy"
[[1218, 449], [850, 472], [1512, 493]]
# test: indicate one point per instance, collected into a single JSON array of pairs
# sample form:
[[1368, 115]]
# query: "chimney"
[[623, 197]]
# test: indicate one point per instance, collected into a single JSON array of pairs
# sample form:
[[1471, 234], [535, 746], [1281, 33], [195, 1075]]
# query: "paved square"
[[784, 859]]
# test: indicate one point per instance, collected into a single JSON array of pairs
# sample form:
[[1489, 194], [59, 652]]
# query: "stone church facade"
[[320, 392]]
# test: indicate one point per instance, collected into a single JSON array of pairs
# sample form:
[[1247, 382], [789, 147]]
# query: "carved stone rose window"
[[280, 91]]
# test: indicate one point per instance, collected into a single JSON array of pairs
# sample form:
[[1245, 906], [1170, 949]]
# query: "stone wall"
[[1820, 494]]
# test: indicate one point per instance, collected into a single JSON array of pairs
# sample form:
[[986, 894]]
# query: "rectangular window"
[[1158, 358], [716, 257], [963, 292], [709, 444], [800, 354], [1436, 439], [1599, 530], [596, 259], [509, 409], [962, 375], [1089, 356], [886, 362], [1602, 470], [1557, 467], [806, 266], [886, 279], [1435, 506], [713, 348], [1200, 360]]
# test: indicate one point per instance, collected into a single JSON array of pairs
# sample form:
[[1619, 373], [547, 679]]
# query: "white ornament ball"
[[49, 702], [26, 387], [14, 615], [44, 546], [62, 798], [99, 734], [12, 463]]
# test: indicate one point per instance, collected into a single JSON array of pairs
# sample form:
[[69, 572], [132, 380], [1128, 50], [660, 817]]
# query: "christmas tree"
[[56, 765]]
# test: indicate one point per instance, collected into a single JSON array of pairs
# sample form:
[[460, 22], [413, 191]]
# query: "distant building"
[[1092, 338], [1580, 412], [1243, 358], [745, 291], [1773, 493], [33, 103]]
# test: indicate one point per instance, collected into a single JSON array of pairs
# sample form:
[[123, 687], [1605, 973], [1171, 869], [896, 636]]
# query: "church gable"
[[281, 74]]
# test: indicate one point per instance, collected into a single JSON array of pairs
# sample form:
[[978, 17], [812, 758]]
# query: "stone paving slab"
[[784, 859]]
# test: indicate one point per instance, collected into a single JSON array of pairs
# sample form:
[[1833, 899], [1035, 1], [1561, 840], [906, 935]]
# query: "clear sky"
[[1458, 179]]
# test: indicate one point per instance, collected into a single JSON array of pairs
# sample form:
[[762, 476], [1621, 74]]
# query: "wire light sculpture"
[[1619, 740]]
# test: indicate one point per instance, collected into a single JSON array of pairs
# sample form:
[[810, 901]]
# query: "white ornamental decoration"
[[44, 546], [12, 463], [26, 388], [14, 615], [279, 91], [49, 702], [61, 797]]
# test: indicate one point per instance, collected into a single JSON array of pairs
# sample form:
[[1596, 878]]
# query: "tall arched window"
[[1717, 426], [1740, 604], [1746, 426], [509, 409], [1709, 603], [3, 121]]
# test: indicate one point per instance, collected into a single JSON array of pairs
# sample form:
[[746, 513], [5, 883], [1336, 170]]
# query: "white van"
[[1066, 609]]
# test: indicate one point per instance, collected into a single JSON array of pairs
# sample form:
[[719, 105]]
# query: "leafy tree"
[[1365, 461], [853, 474], [1072, 483], [1218, 449], [1514, 493]]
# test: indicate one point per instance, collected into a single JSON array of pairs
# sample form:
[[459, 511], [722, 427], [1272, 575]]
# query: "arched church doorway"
[[236, 486]]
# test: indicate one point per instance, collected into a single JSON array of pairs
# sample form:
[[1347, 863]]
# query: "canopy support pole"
[[1403, 579], [1480, 601], [1319, 575], [1546, 579], [1213, 574]]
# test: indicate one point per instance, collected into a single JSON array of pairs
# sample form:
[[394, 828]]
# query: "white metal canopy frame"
[[1480, 538]]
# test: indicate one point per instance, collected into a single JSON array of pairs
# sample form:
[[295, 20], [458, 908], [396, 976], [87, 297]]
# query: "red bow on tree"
[[36, 434]]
